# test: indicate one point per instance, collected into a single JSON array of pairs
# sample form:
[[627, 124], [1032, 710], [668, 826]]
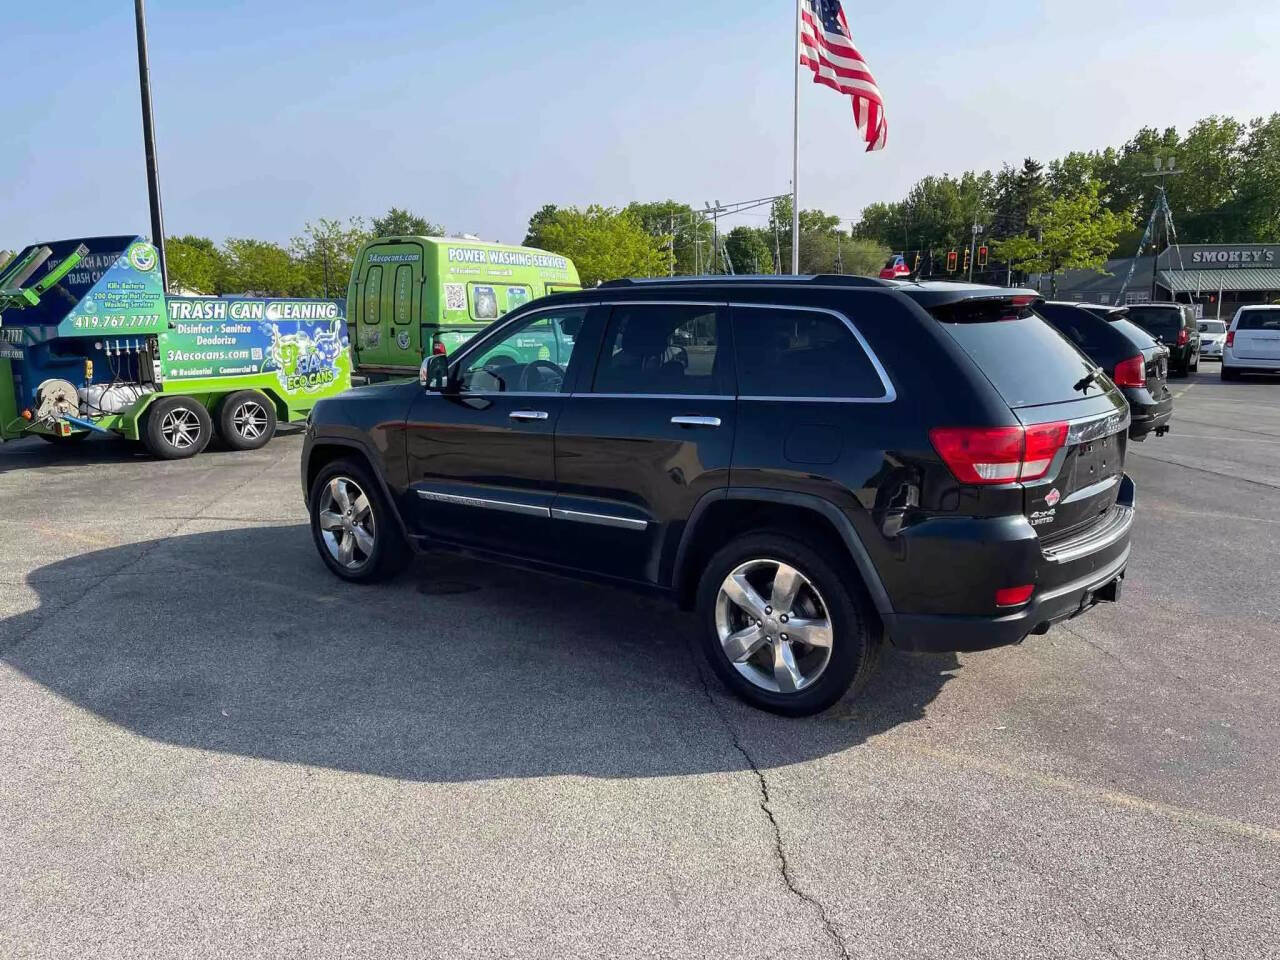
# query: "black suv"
[[815, 464], [1174, 325], [1136, 363]]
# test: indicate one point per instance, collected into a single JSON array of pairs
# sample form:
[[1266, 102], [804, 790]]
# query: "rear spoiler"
[[931, 296]]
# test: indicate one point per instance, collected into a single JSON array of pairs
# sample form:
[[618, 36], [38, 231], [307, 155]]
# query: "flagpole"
[[795, 154]]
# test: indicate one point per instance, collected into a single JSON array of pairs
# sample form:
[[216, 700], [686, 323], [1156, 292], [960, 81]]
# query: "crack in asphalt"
[[779, 850]]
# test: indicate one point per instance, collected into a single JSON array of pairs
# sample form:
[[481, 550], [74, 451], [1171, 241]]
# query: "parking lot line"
[[1113, 798]]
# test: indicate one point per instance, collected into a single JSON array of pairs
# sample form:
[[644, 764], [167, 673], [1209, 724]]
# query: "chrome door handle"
[[696, 421], [524, 415]]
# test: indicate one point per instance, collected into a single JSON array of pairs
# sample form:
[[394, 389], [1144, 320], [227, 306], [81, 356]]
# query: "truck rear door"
[[388, 327]]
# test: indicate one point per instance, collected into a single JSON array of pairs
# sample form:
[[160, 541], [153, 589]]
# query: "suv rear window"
[[1025, 359], [1164, 322], [1259, 320]]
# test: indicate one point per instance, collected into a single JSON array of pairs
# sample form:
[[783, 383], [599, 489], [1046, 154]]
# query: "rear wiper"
[[1087, 380]]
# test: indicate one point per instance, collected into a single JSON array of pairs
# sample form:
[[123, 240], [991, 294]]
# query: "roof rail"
[[825, 279]]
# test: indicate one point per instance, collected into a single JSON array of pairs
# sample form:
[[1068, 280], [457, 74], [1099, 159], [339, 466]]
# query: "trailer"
[[91, 343]]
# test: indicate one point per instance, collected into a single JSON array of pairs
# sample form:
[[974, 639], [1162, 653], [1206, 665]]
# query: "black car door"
[[644, 436], [480, 460]]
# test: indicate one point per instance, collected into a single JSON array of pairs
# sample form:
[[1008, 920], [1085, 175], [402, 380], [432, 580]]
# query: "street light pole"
[[149, 143]]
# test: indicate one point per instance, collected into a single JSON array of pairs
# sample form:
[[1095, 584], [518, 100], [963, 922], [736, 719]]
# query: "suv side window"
[[530, 356], [664, 349], [801, 353]]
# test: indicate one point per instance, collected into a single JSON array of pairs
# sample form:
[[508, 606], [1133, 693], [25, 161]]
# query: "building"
[[1217, 277]]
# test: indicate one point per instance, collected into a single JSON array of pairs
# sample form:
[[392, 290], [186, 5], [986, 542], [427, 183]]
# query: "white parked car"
[[1253, 342], [1213, 334]]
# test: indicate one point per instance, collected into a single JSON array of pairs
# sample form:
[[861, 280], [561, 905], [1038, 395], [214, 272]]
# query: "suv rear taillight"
[[1231, 338], [1183, 337], [999, 454], [1131, 373]]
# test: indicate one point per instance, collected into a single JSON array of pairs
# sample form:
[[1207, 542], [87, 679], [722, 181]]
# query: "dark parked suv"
[[1174, 325], [1136, 363], [817, 465]]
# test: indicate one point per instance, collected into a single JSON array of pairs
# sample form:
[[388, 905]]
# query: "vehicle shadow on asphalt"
[[240, 641], [31, 453]]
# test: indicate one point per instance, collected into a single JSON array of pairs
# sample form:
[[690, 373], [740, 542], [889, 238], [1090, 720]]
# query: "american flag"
[[826, 48]]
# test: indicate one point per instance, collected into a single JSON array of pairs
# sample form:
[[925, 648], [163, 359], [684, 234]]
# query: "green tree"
[[401, 223], [260, 268], [677, 225], [750, 249], [326, 252], [603, 242], [1072, 232], [1258, 200], [194, 264]]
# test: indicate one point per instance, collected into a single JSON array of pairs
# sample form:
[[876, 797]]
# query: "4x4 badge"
[[1052, 497]]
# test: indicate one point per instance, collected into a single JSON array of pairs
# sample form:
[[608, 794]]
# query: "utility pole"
[[973, 245], [673, 245], [149, 143], [715, 230], [777, 248]]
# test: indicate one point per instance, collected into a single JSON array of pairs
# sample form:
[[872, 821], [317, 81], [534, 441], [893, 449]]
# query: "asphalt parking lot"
[[209, 747]]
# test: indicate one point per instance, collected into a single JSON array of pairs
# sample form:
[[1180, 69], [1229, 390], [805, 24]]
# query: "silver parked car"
[[1213, 333]]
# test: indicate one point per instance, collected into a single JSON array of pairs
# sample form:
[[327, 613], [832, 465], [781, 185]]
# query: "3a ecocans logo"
[[142, 256]]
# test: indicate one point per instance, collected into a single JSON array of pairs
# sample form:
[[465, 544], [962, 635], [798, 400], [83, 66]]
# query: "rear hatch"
[[1258, 335], [1155, 356], [1079, 418]]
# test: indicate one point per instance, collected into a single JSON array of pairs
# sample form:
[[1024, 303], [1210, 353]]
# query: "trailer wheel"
[[246, 420], [177, 428]]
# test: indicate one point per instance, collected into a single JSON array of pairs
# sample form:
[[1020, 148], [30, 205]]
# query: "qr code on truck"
[[455, 296]]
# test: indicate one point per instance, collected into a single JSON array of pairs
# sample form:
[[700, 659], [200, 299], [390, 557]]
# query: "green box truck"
[[90, 342], [414, 296]]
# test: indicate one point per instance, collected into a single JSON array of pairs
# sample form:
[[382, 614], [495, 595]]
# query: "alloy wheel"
[[249, 420], [180, 428], [346, 523], [773, 625]]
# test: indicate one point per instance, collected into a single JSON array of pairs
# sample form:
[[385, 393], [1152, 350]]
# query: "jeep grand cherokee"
[[816, 465]]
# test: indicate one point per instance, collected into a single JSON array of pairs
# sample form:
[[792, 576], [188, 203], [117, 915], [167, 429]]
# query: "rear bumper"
[[1147, 414], [1070, 578], [1230, 360]]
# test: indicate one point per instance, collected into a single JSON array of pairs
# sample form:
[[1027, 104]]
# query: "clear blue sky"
[[474, 115]]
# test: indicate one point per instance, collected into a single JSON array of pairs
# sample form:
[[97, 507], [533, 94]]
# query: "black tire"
[[1227, 373], [177, 428], [390, 552], [855, 640], [246, 420], [61, 441]]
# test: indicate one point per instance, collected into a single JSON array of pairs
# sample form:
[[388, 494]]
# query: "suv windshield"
[[1163, 322], [1259, 319]]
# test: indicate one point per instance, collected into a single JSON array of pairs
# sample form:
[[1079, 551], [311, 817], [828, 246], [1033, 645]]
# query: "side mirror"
[[434, 373]]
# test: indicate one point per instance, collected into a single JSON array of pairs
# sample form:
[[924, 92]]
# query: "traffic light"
[[952, 257], [966, 258], [982, 255]]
